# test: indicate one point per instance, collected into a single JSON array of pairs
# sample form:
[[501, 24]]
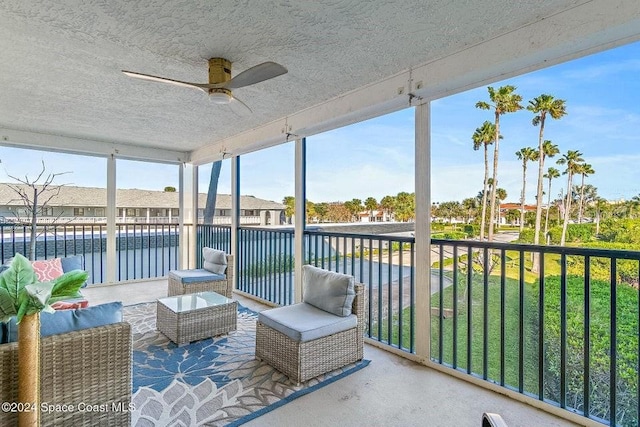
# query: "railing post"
[[300, 211], [422, 231]]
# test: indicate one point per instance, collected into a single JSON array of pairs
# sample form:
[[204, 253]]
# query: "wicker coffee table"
[[192, 317]]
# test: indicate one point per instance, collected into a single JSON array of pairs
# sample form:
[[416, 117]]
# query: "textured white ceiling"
[[61, 61]]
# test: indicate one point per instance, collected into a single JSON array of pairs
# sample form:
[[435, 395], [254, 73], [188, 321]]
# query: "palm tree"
[[504, 100], [371, 204], [355, 207], [484, 136], [470, 205], [525, 154], [387, 203], [633, 206], [602, 207], [572, 161], [542, 106], [552, 173], [585, 170], [450, 210], [501, 194]]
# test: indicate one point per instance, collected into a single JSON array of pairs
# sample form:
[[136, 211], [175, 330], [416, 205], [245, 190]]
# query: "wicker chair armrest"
[[229, 272], [359, 307]]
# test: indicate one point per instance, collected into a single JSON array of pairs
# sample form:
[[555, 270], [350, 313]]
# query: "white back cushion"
[[215, 261], [327, 290]]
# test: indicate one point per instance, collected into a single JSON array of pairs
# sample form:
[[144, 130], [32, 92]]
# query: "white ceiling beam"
[[71, 145], [587, 28]]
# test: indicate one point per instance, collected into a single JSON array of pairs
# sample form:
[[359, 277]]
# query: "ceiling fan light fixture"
[[220, 96], [220, 82]]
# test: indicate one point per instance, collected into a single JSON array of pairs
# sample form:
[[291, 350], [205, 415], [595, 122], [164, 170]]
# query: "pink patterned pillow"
[[47, 270]]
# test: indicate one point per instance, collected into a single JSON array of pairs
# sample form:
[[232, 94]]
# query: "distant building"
[[375, 216], [505, 207], [88, 204]]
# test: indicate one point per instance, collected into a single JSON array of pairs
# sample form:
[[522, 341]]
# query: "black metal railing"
[[265, 263], [146, 251], [142, 250], [559, 324], [212, 236]]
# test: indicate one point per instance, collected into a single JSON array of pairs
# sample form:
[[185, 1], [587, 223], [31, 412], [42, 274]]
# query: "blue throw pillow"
[[74, 262], [63, 321]]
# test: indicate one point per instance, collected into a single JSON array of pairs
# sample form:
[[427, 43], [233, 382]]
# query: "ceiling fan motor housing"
[[219, 72]]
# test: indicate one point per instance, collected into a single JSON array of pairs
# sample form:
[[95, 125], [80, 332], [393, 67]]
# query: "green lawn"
[[495, 320], [627, 316], [511, 331]]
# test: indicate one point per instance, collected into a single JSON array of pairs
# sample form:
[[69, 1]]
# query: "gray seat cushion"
[[327, 290], [195, 275], [303, 322]]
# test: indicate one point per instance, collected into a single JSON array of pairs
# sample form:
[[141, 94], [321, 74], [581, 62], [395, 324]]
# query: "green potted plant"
[[23, 296]]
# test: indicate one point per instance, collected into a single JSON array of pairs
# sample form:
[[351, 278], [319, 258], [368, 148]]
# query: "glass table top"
[[188, 302]]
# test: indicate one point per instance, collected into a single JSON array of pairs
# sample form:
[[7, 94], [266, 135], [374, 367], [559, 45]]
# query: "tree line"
[[400, 207]]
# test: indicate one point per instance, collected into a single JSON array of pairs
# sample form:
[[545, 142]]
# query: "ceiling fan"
[[220, 81]]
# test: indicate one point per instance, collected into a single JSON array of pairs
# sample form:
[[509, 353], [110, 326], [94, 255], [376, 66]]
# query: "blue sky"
[[375, 157]]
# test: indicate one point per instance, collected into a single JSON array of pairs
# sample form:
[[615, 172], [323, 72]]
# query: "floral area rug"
[[213, 382]]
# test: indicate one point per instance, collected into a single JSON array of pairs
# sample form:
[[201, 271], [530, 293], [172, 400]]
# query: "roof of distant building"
[[74, 196], [527, 208]]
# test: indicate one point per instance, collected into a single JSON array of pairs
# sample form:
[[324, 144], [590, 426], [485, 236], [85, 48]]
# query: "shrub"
[[575, 233], [455, 235], [437, 226], [450, 235], [276, 263], [526, 236], [600, 268], [472, 230], [627, 339], [621, 231], [395, 246]]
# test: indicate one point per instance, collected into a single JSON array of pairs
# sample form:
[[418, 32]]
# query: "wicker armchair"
[[90, 368], [301, 361], [177, 286], [492, 420]]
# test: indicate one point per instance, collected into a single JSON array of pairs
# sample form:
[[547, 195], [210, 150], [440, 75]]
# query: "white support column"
[[422, 232], [187, 218], [194, 253], [235, 216], [299, 217], [111, 213]]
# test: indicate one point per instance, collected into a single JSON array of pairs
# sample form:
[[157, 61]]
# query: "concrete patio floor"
[[391, 391]]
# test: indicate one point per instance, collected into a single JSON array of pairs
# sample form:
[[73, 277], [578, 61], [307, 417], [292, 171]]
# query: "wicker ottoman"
[[192, 317]]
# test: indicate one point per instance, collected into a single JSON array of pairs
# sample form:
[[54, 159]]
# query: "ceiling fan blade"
[[257, 74], [165, 80], [239, 107]]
